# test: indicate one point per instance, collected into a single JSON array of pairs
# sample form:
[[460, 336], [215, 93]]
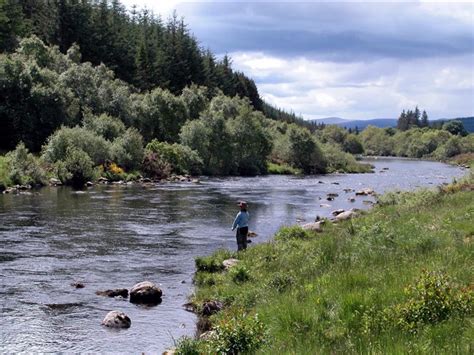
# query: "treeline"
[[85, 123], [140, 47]]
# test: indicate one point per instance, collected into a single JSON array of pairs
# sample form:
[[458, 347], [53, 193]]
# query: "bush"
[[4, 172], [76, 169], [432, 299], [284, 169], [240, 334], [181, 159], [188, 346], [154, 167], [339, 161], [127, 150], [112, 172], [24, 167], [95, 146]]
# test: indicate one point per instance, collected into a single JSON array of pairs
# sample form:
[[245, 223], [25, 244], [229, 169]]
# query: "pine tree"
[[424, 119]]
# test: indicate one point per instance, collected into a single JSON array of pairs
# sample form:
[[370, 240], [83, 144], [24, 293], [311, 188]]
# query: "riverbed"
[[113, 236]]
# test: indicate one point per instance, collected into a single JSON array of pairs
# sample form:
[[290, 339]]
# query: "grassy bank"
[[399, 278]]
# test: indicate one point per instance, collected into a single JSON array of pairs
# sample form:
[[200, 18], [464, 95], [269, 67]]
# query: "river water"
[[113, 236]]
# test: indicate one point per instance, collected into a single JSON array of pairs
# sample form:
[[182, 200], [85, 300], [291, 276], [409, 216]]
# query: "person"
[[241, 222]]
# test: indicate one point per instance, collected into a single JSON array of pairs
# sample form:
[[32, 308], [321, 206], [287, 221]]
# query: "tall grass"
[[359, 286]]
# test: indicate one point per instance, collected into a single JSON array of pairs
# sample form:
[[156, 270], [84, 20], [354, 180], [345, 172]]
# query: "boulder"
[[365, 192], [314, 226], [335, 183], [146, 292], [228, 263], [211, 307], [55, 182], [351, 199], [77, 285], [103, 180], [171, 351], [324, 205], [89, 184], [345, 215], [337, 212], [348, 190], [123, 292], [367, 202], [116, 319]]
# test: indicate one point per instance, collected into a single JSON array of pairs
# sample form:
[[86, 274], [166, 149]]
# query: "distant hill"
[[468, 122], [360, 124]]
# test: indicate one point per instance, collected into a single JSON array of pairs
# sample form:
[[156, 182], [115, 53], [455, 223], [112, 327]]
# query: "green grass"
[[347, 290]]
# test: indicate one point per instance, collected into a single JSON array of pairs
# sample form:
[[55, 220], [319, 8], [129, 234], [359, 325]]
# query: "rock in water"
[[116, 319], [345, 215], [123, 292], [146, 292], [337, 212]]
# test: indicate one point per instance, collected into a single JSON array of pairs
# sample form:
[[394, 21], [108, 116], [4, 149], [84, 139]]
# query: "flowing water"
[[113, 236]]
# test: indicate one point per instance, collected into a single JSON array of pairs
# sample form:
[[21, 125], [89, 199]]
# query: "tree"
[[424, 120], [12, 24], [455, 127]]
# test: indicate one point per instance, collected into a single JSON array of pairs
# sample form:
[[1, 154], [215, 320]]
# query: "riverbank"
[[397, 279]]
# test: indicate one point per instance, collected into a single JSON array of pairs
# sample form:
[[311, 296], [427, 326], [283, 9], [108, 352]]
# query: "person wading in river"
[[241, 222]]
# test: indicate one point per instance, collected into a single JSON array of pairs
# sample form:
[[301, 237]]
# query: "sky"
[[349, 59]]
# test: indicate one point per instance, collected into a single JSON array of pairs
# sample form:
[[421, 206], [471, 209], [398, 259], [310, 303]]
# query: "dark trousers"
[[241, 236]]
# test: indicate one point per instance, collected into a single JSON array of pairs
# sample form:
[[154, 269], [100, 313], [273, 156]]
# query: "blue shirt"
[[241, 220]]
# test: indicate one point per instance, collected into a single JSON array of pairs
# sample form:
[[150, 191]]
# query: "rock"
[[314, 226], [120, 182], [77, 285], [123, 292], [89, 184], [332, 194], [24, 187], [146, 292], [208, 335], [251, 234], [348, 190], [116, 319], [211, 307], [385, 168], [324, 205], [365, 192], [146, 180], [195, 181], [345, 215], [190, 307], [228, 263], [171, 351], [351, 199], [330, 198], [367, 202], [103, 180], [10, 190], [337, 212], [55, 182], [335, 183]]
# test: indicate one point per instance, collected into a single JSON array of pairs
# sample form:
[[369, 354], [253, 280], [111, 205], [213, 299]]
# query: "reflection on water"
[[115, 236]]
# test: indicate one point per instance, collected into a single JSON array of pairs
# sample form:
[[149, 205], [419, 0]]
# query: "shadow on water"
[[111, 237]]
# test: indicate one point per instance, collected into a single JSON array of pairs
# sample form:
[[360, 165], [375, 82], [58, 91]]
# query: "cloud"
[[362, 89]]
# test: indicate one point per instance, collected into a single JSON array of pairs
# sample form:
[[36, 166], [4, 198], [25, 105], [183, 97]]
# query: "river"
[[113, 236]]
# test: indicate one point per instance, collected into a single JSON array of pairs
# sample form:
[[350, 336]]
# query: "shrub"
[[432, 299], [181, 158], [95, 146], [127, 150], [280, 281], [76, 169], [155, 167], [4, 172], [188, 346], [113, 172], [24, 167], [237, 334]]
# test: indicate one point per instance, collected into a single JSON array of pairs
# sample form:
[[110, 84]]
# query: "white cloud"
[[380, 88]]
